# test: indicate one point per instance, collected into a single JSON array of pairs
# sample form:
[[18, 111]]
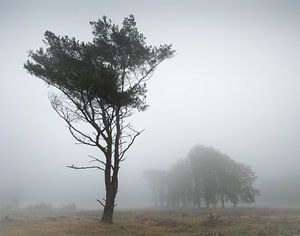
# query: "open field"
[[228, 222]]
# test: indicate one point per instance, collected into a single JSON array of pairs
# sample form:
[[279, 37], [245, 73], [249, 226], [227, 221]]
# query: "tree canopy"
[[112, 68]]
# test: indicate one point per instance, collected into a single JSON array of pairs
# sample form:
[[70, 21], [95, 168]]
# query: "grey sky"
[[234, 85]]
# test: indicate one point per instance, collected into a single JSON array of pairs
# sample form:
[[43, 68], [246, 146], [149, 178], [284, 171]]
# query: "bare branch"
[[145, 77], [85, 167], [79, 139], [100, 202], [86, 116], [130, 144], [98, 160], [64, 113]]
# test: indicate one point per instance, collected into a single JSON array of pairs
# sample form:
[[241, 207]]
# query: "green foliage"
[[112, 68]]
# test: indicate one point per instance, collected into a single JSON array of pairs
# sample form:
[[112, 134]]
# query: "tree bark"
[[222, 200], [111, 193], [107, 216], [111, 174], [108, 211]]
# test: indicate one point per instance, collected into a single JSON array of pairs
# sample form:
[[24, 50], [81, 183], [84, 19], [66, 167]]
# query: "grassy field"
[[230, 222]]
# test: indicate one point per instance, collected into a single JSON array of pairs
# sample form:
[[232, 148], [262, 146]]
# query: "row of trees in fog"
[[206, 177]]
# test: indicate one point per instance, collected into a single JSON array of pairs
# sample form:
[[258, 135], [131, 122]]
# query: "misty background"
[[233, 85]]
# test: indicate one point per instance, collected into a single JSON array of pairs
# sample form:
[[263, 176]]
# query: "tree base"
[[107, 217]]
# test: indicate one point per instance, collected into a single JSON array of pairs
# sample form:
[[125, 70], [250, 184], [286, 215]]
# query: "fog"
[[233, 85]]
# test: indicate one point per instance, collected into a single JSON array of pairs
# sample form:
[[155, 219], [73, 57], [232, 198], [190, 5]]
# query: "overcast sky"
[[234, 85]]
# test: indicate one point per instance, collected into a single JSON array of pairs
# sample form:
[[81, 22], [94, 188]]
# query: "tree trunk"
[[222, 200], [197, 194], [107, 216], [111, 184], [111, 174], [108, 211]]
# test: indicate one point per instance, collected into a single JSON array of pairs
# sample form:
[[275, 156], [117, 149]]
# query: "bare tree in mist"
[[100, 84]]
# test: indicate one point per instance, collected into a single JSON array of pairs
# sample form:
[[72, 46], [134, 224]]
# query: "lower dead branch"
[[85, 167]]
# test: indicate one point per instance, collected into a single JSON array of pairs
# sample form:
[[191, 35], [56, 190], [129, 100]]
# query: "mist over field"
[[233, 85]]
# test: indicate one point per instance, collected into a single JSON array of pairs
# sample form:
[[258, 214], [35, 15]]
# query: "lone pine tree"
[[99, 85]]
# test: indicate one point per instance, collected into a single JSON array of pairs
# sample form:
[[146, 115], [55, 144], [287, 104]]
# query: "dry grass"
[[246, 222]]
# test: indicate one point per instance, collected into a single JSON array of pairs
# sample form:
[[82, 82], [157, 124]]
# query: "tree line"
[[206, 177]]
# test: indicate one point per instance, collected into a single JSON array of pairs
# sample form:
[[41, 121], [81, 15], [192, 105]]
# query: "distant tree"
[[70, 207], [99, 86], [157, 180], [171, 188], [10, 198], [179, 184], [204, 163], [216, 178], [240, 184], [205, 175]]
